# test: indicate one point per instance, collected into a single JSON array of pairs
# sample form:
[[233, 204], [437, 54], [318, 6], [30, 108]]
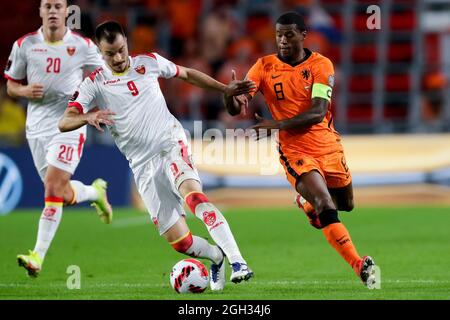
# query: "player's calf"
[[308, 209]]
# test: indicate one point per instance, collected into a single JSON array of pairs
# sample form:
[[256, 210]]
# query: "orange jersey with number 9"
[[288, 91]]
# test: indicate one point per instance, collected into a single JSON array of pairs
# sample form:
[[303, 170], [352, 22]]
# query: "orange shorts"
[[332, 167]]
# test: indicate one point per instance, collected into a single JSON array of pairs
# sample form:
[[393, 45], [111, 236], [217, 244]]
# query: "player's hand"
[[33, 91], [238, 87], [242, 102], [98, 117], [264, 127]]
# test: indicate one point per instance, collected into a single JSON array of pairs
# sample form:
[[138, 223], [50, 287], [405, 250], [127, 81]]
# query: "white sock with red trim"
[[197, 247], [216, 224], [48, 224], [83, 192]]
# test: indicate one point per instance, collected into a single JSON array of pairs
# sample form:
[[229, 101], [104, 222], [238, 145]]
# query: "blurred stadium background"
[[391, 102]]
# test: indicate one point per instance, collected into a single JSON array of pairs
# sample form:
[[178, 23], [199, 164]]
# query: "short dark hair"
[[293, 18], [108, 30]]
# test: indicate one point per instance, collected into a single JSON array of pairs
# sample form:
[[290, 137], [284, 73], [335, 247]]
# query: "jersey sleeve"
[[84, 97], [323, 75], [255, 74], [167, 69], [16, 67], [93, 58]]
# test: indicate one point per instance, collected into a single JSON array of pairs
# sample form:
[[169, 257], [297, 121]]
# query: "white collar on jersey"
[[66, 35]]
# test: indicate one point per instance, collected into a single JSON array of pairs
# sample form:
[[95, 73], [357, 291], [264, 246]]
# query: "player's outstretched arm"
[[202, 80], [73, 119], [31, 91], [236, 95]]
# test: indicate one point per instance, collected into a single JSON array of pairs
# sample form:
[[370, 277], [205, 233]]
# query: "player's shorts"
[[332, 167], [62, 150], [158, 181]]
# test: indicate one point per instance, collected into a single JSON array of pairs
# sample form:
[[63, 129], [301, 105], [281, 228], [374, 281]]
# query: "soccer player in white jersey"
[[131, 104], [51, 61]]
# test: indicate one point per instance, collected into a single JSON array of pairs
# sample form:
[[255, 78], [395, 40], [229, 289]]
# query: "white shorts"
[[158, 181], [63, 151]]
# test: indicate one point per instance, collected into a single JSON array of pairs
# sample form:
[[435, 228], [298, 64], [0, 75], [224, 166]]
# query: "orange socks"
[[338, 236]]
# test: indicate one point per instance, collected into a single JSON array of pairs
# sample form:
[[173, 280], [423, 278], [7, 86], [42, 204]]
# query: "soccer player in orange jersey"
[[297, 85]]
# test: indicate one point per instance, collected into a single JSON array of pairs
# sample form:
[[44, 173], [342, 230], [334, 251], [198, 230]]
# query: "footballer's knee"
[[327, 217], [55, 187], [183, 244], [322, 203]]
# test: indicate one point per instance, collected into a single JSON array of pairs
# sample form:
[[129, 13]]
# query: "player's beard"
[[118, 67]]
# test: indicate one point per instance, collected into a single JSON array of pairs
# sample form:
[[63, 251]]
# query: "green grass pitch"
[[291, 260]]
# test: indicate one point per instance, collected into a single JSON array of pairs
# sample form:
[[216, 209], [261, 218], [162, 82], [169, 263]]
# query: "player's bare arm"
[[202, 80], [73, 119], [312, 116], [30, 91], [236, 95]]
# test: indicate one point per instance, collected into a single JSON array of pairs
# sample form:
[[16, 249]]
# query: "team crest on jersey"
[[209, 217], [140, 69], [71, 50], [305, 74]]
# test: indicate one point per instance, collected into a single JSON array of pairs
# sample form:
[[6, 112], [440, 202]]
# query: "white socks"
[[202, 249], [83, 192], [48, 224], [219, 230]]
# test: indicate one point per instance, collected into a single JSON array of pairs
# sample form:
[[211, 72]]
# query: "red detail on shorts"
[[85, 39], [14, 80], [178, 71], [195, 199], [209, 217], [20, 40], [184, 153], [76, 105], [183, 245], [80, 144], [54, 199], [174, 168], [155, 221]]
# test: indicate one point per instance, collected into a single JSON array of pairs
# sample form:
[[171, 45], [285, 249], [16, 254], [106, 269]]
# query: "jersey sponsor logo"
[[331, 80], [209, 217], [140, 69], [305, 74], [40, 50], [275, 76], [111, 81], [71, 50], [8, 65]]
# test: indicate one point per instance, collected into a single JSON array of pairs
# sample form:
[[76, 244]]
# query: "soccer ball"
[[189, 276]]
